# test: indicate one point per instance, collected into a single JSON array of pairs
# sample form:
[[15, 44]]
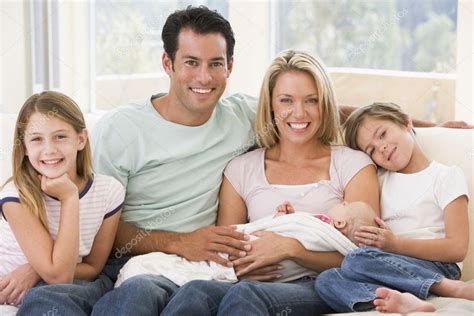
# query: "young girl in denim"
[[423, 234], [57, 219]]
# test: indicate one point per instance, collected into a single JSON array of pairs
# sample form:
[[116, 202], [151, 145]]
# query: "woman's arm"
[[232, 208], [271, 248], [232, 211], [315, 260], [452, 248], [364, 186], [92, 265], [54, 260]]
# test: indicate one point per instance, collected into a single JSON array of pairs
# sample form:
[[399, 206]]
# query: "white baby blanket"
[[311, 232]]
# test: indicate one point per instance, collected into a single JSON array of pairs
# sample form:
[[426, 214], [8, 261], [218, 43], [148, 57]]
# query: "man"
[[169, 151]]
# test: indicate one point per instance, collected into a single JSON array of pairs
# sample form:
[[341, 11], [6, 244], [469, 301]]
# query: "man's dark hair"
[[200, 20]]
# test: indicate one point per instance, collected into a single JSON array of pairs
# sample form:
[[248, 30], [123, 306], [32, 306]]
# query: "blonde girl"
[[423, 232], [58, 219]]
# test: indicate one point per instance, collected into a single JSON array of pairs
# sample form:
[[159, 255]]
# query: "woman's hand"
[[267, 273], [15, 284], [266, 251], [380, 237]]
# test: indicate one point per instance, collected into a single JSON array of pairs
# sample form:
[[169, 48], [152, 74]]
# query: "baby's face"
[[339, 215], [347, 217]]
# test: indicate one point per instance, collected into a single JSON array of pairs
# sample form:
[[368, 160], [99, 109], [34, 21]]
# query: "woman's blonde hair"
[[378, 110], [292, 60], [25, 177]]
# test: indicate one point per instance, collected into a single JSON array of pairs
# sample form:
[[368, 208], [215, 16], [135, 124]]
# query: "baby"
[[346, 217], [314, 232]]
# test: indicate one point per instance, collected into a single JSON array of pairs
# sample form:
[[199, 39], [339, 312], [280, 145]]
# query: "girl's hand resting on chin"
[[61, 187]]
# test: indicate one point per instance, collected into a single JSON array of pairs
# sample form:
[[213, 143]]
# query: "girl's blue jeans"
[[70, 299], [352, 287]]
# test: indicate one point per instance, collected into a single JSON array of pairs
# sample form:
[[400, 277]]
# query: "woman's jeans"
[[352, 287], [247, 298]]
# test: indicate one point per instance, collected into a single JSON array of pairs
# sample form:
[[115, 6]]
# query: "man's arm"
[[345, 111], [201, 244]]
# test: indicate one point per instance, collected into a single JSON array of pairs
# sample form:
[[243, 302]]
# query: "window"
[[392, 34], [104, 53], [398, 51]]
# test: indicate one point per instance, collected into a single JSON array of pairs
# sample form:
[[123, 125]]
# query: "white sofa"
[[448, 146]]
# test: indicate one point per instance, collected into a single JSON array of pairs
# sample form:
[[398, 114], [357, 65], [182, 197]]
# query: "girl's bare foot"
[[467, 291], [391, 301], [453, 288]]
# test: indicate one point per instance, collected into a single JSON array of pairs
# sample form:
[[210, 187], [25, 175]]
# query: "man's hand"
[[456, 124], [15, 284], [206, 242]]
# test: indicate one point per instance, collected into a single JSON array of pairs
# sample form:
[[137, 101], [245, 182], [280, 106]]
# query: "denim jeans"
[[64, 299], [70, 299], [352, 287], [145, 294], [247, 298]]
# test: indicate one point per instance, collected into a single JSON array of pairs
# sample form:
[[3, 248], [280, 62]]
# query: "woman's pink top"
[[246, 173]]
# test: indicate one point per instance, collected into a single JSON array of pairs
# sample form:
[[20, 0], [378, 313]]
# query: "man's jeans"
[[247, 298], [70, 299], [141, 295], [352, 287]]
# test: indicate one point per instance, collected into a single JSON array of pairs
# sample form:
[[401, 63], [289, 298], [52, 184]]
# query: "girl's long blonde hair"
[[51, 104]]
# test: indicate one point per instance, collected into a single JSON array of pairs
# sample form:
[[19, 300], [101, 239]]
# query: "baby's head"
[[348, 217]]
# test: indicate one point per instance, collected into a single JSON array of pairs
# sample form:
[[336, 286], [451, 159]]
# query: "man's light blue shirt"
[[172, 173]]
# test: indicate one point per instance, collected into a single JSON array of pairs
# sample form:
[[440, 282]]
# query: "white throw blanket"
[[311, 232]]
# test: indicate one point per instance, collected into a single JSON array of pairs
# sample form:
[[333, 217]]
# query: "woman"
[[297, 123]]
